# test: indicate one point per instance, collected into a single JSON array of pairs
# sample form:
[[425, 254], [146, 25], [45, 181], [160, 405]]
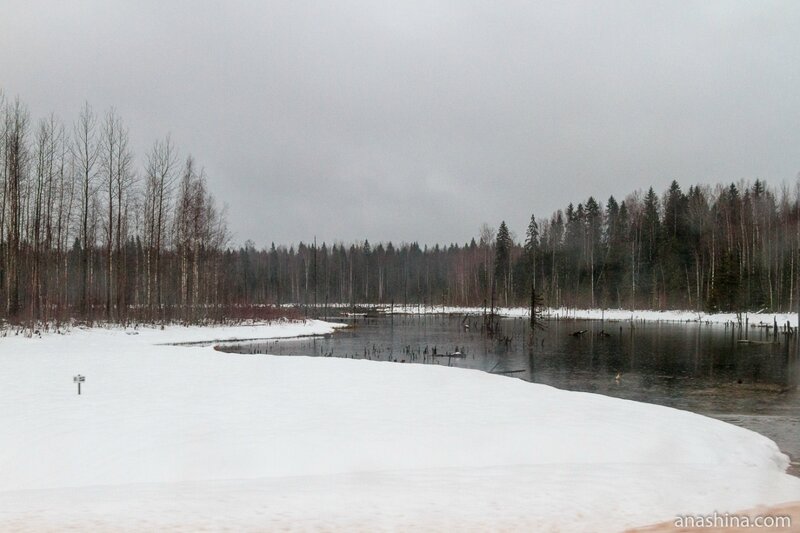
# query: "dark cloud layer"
[[421, 120]]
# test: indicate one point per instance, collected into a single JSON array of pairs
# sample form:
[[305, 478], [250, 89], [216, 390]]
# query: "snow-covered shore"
[[609, 314], [185, 437]]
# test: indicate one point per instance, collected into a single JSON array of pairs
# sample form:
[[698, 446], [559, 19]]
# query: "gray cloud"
[[420, 120]]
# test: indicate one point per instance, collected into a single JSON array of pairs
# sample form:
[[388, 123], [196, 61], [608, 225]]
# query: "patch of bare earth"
[[791, 510]]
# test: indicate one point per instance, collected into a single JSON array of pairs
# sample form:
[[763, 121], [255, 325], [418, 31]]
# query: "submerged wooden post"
[[533, 307], [491, 311]]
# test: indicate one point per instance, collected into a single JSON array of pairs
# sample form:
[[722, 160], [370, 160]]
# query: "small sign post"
[[79, 379]]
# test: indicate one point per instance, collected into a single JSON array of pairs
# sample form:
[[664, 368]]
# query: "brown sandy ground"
[[791, 509]]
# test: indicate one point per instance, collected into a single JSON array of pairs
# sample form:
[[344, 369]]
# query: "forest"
[[711, 248], [88, 231]]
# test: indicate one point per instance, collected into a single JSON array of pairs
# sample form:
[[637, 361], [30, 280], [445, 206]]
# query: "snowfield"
[[170, 437]]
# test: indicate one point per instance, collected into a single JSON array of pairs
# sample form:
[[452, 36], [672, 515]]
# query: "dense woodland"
[[722, 248], [90, 231]]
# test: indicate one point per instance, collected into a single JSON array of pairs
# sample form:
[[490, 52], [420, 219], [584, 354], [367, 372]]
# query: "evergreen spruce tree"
[[651, 234], [502, 260], [674, 254], [612, 256], [531, 247]]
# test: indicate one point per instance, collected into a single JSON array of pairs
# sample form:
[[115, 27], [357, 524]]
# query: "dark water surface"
[[700, 368]]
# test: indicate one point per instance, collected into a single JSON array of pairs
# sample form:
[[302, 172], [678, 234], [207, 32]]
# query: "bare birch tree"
[[85, 153]]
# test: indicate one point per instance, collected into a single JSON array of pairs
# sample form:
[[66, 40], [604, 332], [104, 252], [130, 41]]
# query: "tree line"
[[85, 232], [711, 248], [88, 231], [723, 248]]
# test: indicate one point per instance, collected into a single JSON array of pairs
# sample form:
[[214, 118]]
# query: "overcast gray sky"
[[419, 120]]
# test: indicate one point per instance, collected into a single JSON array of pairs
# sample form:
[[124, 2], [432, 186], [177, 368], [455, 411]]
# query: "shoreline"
[[750, 318], [753, 319]]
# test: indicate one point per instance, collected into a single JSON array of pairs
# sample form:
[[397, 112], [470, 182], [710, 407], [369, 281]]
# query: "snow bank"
[[277, 329], [183, 436], [610, 314]]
